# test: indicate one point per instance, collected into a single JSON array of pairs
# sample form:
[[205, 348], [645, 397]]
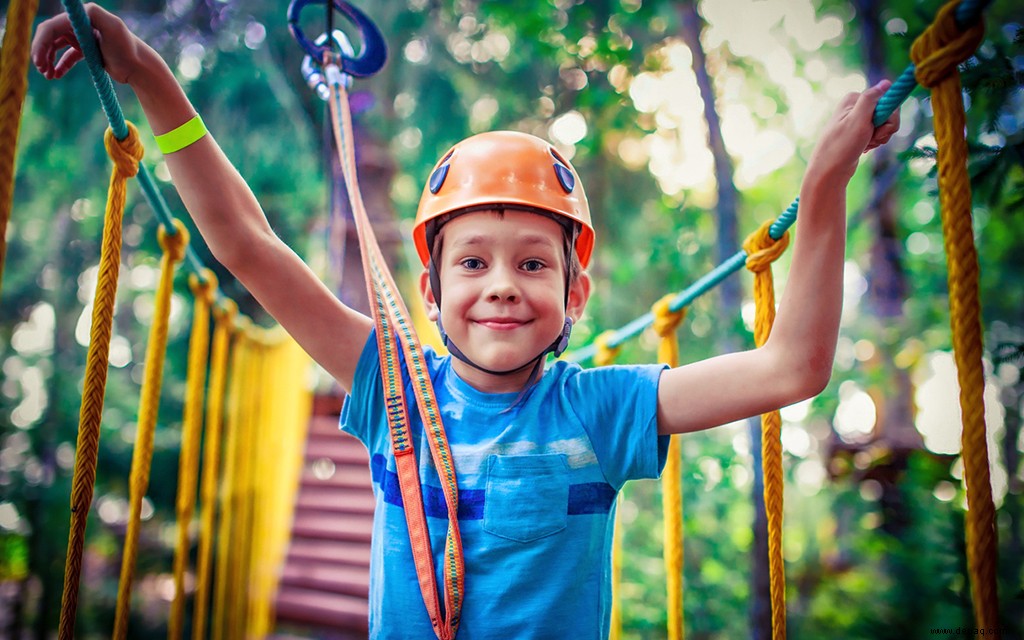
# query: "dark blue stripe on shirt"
[[584, 498]]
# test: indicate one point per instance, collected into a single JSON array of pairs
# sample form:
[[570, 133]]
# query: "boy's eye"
[[533, 265], [472, 264]]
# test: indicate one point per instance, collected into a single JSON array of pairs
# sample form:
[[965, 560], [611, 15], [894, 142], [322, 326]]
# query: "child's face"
[[503, 292]]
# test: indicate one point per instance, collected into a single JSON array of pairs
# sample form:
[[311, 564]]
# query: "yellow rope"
[[268, 449], [224, 577], [936, 54], [125, 155], [203, 292], [245, 500], [224, 319], [173, 246], [13, 86], [605, 355], [284, 420], [762, 250], [665, 324]]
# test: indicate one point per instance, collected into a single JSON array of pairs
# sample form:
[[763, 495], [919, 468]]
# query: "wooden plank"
[[337, 552], [318, 498], [324, 609], [329, 526], [327, 578]]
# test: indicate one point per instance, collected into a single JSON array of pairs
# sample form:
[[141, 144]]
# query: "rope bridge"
[[245, 361], [256, 400]]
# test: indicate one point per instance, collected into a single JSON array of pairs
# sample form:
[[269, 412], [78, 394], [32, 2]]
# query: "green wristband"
[[183, 136]]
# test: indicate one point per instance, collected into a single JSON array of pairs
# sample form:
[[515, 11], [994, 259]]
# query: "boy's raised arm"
[[796, 361], [224, 208]]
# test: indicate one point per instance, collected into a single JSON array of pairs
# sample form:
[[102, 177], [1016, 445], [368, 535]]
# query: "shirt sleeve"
[[360, 408], [618, 408]]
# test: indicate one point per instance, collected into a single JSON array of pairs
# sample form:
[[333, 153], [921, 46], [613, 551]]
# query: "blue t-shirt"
[[537, 488]]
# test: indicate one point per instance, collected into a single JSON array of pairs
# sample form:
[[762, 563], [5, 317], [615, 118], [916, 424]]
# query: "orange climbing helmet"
[[507, 168]]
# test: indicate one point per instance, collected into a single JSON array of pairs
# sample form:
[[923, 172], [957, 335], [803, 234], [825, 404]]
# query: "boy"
[[503, 229]]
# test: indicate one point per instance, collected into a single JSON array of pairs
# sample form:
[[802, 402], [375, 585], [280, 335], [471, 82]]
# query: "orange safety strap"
[[394, 332]]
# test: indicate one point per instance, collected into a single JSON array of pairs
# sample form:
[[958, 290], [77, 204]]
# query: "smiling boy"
[[504, 232]]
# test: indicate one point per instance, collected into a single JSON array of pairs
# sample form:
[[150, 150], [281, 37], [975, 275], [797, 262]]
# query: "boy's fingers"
[[884, 132], [51, 36], [68, 60]]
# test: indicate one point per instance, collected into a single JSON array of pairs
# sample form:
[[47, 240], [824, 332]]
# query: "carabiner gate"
[[374, 51]]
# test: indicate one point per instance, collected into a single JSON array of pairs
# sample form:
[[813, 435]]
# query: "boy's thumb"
[[880, 87], [872, 95]]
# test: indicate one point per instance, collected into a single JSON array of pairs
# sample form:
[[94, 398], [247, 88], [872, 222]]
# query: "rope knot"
[[937, 52], [605, 354], [203, 285], [126, 153], [173, 244], [762, 249], [226, 311], [665, 320]]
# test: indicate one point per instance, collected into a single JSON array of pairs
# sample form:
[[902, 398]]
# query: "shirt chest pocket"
[[527, 497]]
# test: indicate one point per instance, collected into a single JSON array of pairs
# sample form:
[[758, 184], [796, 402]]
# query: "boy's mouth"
[[501, 324]]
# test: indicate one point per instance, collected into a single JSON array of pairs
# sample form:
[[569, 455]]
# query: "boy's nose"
[[502, 286]]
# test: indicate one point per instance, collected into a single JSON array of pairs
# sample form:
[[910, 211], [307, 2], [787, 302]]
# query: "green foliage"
[[458, 67]]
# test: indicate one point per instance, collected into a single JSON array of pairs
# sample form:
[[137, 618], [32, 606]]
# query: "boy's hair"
[[570, 233]]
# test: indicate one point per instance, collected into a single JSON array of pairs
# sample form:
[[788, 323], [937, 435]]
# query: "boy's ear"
[[428, 296], [579, 293]]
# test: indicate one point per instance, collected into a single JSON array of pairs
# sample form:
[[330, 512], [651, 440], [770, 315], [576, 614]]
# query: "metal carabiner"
[[312, 68], [374, 50]]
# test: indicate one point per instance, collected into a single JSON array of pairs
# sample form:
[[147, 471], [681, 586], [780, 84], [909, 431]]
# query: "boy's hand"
[[120, 48], [850, 133]]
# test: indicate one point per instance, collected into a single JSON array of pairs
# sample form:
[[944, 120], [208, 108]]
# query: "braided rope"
[[936, 54], [666, 322], [191, 430], [241, 543], [224, 318], [125, 155], [762, 250], [278, 462], [149, 402], [13, 86], [605, 354], [227, 527]]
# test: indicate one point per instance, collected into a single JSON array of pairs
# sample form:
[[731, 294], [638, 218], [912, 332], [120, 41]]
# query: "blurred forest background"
[[629, 90]]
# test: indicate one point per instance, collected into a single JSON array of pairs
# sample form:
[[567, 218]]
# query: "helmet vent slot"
[[440, 173], [562, 172]]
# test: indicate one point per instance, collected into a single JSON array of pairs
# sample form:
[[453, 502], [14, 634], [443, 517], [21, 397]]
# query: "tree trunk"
[[1012, 504], [726, 244]]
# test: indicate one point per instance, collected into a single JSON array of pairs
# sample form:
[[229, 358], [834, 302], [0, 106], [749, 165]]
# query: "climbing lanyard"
[[394, 333]]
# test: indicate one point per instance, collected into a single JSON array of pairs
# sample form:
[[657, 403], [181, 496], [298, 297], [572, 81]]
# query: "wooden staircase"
[[326, 576]]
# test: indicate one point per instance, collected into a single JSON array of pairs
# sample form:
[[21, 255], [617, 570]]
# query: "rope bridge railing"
[[953, 37], [265, 396]]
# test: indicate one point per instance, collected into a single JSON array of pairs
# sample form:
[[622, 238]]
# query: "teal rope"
[[104, 87], [115, 116], [685, 297], [967, 13]]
